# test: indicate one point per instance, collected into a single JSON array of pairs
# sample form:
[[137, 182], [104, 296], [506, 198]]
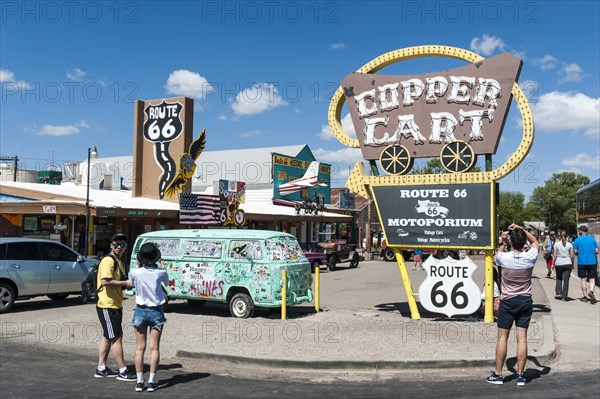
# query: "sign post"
[[455, 115]]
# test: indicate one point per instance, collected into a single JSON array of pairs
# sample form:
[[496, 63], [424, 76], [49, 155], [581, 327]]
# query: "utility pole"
[[15, 160]]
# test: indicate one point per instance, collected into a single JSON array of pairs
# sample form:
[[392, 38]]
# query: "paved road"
[[28, 371]]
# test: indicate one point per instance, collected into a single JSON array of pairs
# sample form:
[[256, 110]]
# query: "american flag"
[[199, 209]]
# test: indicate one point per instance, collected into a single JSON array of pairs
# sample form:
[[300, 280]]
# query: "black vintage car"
[[339, 251]]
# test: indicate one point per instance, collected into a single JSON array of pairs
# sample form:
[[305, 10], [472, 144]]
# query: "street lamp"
[[91, 151]]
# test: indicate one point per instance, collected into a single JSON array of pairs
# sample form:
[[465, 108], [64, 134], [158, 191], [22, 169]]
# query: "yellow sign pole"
[[283, 295], [488, 316], [317, 287], [410, 296]]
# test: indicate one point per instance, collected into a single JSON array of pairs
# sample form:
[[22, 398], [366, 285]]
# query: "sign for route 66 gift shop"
[[449, 287]]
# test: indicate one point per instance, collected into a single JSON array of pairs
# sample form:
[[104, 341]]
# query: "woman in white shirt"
[[148, 314], [562, 264]]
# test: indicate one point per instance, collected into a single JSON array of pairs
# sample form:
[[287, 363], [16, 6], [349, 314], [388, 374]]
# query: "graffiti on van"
[[282, 248], [198, 279], [168, 248], [203, 249]]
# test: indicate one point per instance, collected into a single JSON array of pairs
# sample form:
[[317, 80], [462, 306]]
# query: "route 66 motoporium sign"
[[441, 215], [449, 287]]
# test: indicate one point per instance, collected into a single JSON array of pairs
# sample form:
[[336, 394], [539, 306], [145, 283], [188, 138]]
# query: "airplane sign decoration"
[[310, 179]]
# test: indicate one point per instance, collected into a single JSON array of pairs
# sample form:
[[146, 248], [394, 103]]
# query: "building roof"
[[259, 202], [250, 165]]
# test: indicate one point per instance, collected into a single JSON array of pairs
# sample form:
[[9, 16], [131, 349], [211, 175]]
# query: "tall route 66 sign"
[[449, 288], [454, 115]]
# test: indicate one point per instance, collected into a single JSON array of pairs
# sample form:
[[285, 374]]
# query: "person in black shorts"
[[111, 280], [516, 304]]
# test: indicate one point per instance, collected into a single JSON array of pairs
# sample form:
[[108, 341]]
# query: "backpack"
[[89, 286]]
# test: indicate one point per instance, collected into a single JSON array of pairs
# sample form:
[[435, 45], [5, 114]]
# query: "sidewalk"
[[367, 327], [364, 328], [576, 325]]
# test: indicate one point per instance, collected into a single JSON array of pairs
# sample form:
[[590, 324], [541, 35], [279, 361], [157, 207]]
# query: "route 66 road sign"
[[449, 288]]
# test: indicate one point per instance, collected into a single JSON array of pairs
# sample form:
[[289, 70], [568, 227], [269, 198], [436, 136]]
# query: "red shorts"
[[417, 258], [549, 261]]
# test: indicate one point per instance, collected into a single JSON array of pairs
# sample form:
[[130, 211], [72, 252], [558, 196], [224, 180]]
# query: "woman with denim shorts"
[[148, 314]]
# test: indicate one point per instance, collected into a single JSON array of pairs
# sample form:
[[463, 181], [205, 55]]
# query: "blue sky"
[[262, 73]]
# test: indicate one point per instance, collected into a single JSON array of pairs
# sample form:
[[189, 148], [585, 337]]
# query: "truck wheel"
[[58, 297], [314, 266], [7, 297], [196, 303], [333, 263], [388, 255], [354, 261], [241, 306]]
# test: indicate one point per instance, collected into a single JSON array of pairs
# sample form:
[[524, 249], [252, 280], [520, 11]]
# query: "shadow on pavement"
[[530, 373], [182, 378]]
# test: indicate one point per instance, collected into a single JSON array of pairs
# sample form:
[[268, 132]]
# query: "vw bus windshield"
[[284, 248]]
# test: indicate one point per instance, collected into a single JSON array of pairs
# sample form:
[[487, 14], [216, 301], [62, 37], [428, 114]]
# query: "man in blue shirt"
[[586, 249]]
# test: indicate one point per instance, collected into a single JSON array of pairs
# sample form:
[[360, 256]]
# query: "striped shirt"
[[517, 268]]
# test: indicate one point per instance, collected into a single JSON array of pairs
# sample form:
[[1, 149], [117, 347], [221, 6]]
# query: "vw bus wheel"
[[7, 297], [354, 261], [241, 306]]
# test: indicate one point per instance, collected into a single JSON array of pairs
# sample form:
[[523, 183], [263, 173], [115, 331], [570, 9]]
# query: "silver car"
[[32, 267]]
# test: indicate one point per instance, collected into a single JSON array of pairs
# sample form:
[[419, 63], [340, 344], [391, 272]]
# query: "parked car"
[[241, 268], [31, 267], [388, 255], [339, 251], [316, 259]]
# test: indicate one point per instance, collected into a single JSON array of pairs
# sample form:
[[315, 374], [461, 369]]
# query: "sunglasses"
[[121, 245]]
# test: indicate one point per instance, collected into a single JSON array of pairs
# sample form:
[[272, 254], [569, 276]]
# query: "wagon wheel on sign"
[[457, 156], [395, 160]]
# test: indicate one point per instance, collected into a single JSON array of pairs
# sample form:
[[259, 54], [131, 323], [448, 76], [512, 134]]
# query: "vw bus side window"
[[283, 248], [203, 249], [243, 250], [169, 247]]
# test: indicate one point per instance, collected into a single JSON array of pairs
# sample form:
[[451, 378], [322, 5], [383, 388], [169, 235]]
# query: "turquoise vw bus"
[[238, 267]]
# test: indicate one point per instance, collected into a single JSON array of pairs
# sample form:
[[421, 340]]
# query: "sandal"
[[583, 299]]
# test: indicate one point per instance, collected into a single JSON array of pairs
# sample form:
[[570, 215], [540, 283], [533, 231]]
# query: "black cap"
[[582, 228], [119, 237], [148, 254]]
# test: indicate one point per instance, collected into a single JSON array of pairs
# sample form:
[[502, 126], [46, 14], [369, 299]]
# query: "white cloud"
[[342, 161], [546, 62], [76, 74], [59, 130], [567, 111], [7, 78], [187, 83], [570, 73], [583, 160], [221, 117], [257, 99], [337, 46], [252, 134], [347, 125], [487, 45], [346, 155]]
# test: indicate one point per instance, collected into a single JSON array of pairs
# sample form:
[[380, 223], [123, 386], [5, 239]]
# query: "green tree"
[[434, 167], [554, 202], [511, 208]]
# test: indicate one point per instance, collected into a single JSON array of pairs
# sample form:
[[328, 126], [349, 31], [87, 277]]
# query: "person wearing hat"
[[586, 249], [112, 279], [148, 281]]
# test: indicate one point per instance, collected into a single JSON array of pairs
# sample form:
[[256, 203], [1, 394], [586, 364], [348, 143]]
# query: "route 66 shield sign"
[[449, 288]]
